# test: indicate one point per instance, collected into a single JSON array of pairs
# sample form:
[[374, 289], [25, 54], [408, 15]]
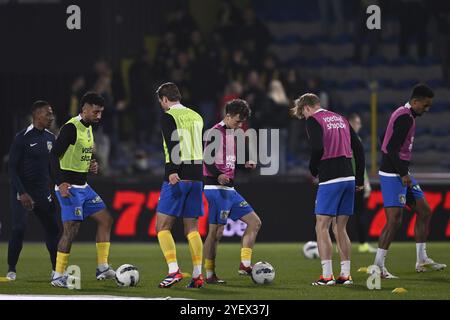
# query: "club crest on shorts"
[[49, 146], [402, 198], [78, 211], [224, 214]]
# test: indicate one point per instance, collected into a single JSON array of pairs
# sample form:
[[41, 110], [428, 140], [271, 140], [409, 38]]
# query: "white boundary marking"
[[77, 297]]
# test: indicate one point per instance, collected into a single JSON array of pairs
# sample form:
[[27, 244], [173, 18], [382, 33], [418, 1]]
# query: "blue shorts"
[[336, 198], [226, 203], [184, 199], [82, 203], [395, 194]]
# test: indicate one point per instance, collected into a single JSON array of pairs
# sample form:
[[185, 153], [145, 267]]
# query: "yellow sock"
[[62, 259], [167, 245], [196, 249], [102, 252], [210, 265], [246, 256]]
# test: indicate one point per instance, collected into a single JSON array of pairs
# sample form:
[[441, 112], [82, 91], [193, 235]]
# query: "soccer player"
[[181, 192], [332, 141], [224, 201], [29, 173], [71, 161], [398, 187]]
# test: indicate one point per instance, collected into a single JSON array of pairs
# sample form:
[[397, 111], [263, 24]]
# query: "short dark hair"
[[422, 91], [170, 91], [92, 98], [39, 104], [238, 107]]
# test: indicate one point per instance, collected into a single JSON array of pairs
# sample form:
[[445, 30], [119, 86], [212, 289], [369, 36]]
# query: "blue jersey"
[[29, 156]]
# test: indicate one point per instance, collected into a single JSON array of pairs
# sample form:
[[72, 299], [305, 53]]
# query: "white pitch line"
[[77, 297]]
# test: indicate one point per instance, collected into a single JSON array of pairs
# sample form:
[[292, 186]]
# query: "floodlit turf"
[[294, 273]]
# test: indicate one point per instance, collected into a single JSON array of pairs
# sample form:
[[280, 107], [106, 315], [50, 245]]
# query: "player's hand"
[[64, 189], [250, 165], [27, 201], [367, 189], [174, 178], [359, 188], [406, 180], [93, 167], [223, 179]]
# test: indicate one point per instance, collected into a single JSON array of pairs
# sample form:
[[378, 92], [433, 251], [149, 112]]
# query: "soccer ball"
[[127, 275], [263, 273], [310, 250]]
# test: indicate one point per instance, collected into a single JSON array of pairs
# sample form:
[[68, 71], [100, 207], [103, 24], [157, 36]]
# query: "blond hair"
[[308, 99]]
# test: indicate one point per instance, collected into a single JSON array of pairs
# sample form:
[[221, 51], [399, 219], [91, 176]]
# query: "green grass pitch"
[[294, 273]]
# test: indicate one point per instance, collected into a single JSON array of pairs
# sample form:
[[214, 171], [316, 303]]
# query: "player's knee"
[[219, 234], [426, 211], [395, 222], [321, 227], [109, 220], [258, 224], [189, 230], [334, 228]]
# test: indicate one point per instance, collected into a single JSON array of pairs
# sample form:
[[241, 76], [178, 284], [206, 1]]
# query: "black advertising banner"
[[286, 210]]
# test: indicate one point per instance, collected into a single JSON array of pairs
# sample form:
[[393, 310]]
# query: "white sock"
[[246, 263], [421, 249], [345, 268], [57, 275], [327, 268], [173, 267], [380, 257], [197, 271], [209, 274], [103, 267]]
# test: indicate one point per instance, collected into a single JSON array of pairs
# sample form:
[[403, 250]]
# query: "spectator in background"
[[270, 70], [166, 54], [276, 116], [197, 47], [182, 24], [361, 198], [253, 35], [293, 84], [276, 111], [238, 65], [77, 89], [256, 97], [109, 84], [232, 91], [229, 20], [177, 76], [205, 85], [142, 99]]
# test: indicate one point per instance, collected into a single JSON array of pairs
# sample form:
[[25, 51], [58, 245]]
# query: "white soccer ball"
[[310, 250], [263, 273], [127, 275]]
